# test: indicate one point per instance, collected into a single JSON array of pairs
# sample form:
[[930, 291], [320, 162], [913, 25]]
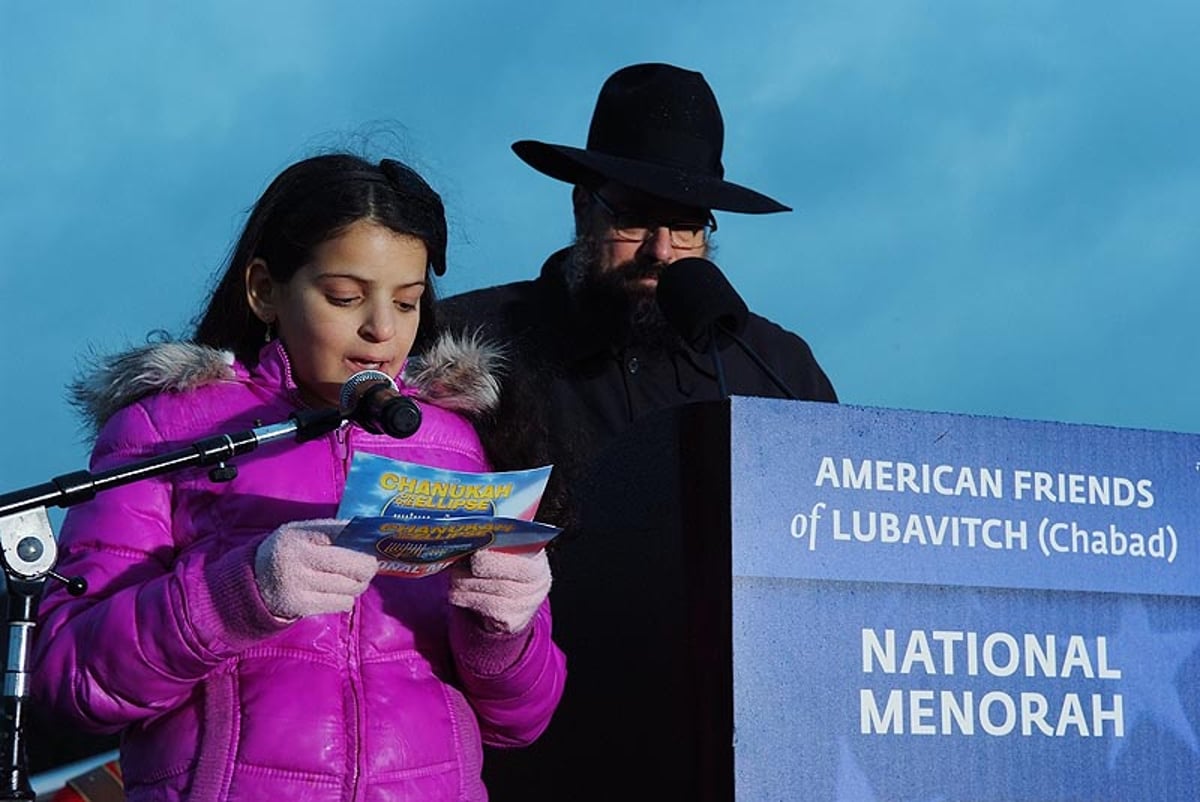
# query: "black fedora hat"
[[658, 129]]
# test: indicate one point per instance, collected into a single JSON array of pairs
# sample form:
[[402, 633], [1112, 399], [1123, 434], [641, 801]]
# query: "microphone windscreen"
[[357, 385], [694, 295]]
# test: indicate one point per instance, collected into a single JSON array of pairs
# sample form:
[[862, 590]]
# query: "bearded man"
[[588, 327], [590, 353]]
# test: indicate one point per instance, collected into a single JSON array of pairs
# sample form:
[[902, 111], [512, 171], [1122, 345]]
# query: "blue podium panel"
[[932, 607]]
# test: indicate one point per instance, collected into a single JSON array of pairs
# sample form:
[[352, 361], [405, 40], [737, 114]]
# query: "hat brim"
[[579, 166]]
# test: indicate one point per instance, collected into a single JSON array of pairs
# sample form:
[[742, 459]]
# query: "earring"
[[268, 334]]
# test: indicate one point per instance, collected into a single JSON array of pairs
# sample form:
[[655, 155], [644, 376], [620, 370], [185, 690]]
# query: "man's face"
[[625, 239]]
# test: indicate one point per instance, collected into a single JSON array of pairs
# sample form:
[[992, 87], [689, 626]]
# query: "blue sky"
[[997, 203]]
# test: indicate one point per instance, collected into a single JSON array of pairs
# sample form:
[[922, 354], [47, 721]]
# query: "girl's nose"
[[379, 325]]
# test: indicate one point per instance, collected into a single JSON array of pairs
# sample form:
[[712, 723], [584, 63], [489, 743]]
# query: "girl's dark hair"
[[309, 203]]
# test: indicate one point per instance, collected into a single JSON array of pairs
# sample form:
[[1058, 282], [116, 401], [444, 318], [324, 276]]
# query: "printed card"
[[418, 520]]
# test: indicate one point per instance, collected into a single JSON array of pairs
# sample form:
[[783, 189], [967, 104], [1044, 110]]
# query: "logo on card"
[[425, 543]]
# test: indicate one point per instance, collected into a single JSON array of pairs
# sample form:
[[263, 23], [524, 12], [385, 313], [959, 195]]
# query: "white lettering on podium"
[[908, 477], [1000, 654], [997, 713], [1077, 488], [867, 526], [922, 478], [1071, 538], [937, 652]]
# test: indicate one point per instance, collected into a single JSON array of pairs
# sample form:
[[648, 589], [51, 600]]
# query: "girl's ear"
[[261, 291]]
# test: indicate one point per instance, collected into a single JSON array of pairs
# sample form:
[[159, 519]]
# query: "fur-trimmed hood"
[[458, 372]]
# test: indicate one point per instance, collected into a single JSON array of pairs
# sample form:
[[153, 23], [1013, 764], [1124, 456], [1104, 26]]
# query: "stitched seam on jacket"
[[218, 749]]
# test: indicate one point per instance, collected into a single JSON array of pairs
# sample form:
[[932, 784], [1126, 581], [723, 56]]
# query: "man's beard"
[[616, 296]]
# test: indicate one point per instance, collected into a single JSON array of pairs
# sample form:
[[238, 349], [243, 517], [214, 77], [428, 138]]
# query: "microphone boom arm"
[[718, 368], [758, 360], [78, 486], [29, 550]]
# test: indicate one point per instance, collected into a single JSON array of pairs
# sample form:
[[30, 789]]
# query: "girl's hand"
[[503, 589], [300, 572]]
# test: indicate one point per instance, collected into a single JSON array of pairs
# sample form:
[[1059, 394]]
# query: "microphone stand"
[[718, 368], [758, 360], [29, 551]]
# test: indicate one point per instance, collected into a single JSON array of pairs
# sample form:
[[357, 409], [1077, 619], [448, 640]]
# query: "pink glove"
[[504, 589], [300, 572]]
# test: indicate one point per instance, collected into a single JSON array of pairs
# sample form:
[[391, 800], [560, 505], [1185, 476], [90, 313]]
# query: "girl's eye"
[[340, 301], [405, 306]]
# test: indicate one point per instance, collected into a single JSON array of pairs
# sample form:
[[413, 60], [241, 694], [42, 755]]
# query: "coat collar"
[[461, 373]]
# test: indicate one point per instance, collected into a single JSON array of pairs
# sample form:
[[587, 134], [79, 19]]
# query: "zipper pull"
[[343, 439]]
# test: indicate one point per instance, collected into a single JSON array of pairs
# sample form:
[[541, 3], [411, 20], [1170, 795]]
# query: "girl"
[[240, 654]]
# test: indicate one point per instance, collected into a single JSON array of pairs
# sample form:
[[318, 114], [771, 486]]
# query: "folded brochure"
[[418, 520]]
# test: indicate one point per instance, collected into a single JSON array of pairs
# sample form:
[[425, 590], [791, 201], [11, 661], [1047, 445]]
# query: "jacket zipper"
[[343, 452], [355, 695], [343, 436]]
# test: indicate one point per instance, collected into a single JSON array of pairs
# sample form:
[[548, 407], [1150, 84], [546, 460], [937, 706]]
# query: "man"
[[644, 191], [591, 355]]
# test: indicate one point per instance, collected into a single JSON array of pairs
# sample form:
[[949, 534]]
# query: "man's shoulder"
[[511, 291], [504, 310], [765, 331], [486, 299], [792, 354]]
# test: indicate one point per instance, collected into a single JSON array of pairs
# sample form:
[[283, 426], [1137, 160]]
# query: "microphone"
[[699, 302], [695, 297], [371, 399]]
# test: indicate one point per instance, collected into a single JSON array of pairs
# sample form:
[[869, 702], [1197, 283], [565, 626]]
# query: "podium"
[[775, 599]]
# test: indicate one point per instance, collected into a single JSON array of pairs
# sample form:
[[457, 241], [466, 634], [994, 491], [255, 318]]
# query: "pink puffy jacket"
[[218, 700]]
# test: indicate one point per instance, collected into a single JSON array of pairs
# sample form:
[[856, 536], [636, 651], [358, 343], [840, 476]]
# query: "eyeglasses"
[[628, 226]]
